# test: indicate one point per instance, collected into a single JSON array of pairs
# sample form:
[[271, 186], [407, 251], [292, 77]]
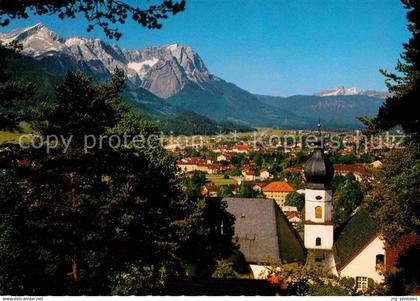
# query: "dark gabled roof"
[[263, 232], [352, 237]]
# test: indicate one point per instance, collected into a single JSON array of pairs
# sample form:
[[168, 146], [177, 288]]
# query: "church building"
[[355, 249]]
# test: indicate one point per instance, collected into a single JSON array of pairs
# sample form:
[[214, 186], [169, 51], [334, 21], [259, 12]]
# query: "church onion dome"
[[319, 170]]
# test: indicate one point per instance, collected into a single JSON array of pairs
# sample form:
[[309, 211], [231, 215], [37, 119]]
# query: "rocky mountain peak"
[[36, 40], [163, 70]]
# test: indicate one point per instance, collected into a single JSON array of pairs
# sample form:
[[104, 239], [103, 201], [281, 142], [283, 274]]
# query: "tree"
[[348, 196], [225, 191], [295, 199], [399, 107], [337, 182], [101, 13], [194, 184], [13, 94], [105, 219], [246, 191], [205, 235], [393, 200], [294, 178]]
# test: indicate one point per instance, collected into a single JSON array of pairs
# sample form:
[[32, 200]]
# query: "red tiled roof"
[[214, 166], [212, 187], [357, 168], [279, 186], [241, 147], [294, 168]]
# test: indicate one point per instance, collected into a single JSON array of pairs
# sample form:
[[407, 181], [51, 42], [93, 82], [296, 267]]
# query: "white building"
[[264, 174]]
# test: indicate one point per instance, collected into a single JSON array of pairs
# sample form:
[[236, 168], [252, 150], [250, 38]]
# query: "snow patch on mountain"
[[143, 67], [341, 90]]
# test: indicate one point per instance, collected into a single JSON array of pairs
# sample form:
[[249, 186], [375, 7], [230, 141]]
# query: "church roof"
[[263, 231], [353, 236]]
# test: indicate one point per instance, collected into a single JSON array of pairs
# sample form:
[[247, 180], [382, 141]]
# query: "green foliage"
[[190, 123], [295, 199], [313, 281], [235, 173], [246, 191], [300, 158], [337, 182], [105, 221], [194, 184], [393, 199], [224, 269], [147, 280], [294, 178], [239, 160], [205, 235], [344, 159], [13, 93], [332, 287], [348, 196], [225, 191]]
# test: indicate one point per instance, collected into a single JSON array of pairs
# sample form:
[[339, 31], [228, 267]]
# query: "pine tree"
[[393, 200], [13, 94]]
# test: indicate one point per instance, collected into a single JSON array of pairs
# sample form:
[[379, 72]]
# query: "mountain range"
[[165, 81]]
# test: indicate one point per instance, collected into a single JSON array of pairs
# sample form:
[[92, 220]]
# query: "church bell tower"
[[318, 228]]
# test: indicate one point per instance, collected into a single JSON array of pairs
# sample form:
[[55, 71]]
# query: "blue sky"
[[275, 47]]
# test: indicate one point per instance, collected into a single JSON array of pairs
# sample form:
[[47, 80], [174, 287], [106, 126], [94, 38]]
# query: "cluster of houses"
[[199, 164], [238, 149], [261, 182], [359, 170]]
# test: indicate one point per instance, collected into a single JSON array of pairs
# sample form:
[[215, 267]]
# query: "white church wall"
[[321, 198], [325, 232], [364, 264], [311, 194]]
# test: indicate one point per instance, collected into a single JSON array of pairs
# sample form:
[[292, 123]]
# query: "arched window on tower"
[[318, 241], [318, 212]]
